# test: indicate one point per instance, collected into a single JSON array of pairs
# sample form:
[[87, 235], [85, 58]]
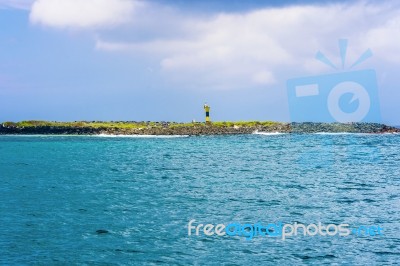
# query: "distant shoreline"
[[174, 128]]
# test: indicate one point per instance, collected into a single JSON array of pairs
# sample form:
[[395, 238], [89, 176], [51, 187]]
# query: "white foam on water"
[[268, 133], [391, 133]]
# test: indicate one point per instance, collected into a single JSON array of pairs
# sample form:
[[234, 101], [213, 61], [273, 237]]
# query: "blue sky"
[[161, 60]]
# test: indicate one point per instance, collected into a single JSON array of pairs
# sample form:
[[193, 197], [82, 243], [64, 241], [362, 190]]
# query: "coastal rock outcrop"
[[173, 128]]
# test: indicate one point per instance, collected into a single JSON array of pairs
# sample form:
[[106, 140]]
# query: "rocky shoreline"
[[192, 129]]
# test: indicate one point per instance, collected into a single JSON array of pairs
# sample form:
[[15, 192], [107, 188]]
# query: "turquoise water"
[[56, 192]]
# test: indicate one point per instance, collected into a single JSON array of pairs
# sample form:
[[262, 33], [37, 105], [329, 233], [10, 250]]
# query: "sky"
[[161, 60]]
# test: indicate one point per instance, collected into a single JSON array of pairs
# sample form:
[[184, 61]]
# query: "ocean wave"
[[391, 133], [268, 133]]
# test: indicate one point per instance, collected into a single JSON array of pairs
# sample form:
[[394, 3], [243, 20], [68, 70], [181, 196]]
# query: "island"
[[175, 128]]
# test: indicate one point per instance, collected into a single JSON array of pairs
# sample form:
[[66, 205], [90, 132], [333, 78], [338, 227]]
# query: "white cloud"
[[385, 39], [232, 50], [16, 4], [263, 77], [82, 13], [242, 50]]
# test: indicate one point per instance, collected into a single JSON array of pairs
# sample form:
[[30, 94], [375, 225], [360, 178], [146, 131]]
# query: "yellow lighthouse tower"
[[207, 109]]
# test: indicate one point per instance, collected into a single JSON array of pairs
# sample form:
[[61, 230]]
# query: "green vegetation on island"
[[134, 124], [175, 128]]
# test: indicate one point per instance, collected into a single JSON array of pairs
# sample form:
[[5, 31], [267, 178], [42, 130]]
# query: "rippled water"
[[56, 192]]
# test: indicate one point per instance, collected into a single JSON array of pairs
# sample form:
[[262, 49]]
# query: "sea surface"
[[56, 192]]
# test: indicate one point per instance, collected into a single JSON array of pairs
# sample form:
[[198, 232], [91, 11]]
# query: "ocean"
[[102, 200]]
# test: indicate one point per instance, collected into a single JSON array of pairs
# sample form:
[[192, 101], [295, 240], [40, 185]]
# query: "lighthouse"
[[207, 110]]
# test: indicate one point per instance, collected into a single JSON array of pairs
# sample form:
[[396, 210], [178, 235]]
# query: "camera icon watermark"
[[347, 96]]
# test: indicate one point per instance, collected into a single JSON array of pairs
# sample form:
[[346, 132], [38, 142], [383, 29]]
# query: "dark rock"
[[102, 231]]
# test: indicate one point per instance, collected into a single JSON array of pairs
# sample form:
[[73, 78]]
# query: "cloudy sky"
[[161, 60]]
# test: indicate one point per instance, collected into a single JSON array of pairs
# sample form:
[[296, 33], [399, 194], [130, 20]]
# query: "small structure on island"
[[207, 110]]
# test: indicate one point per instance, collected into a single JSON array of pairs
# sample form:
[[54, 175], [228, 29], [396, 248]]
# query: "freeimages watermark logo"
[[281, 230], [346, 96]]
